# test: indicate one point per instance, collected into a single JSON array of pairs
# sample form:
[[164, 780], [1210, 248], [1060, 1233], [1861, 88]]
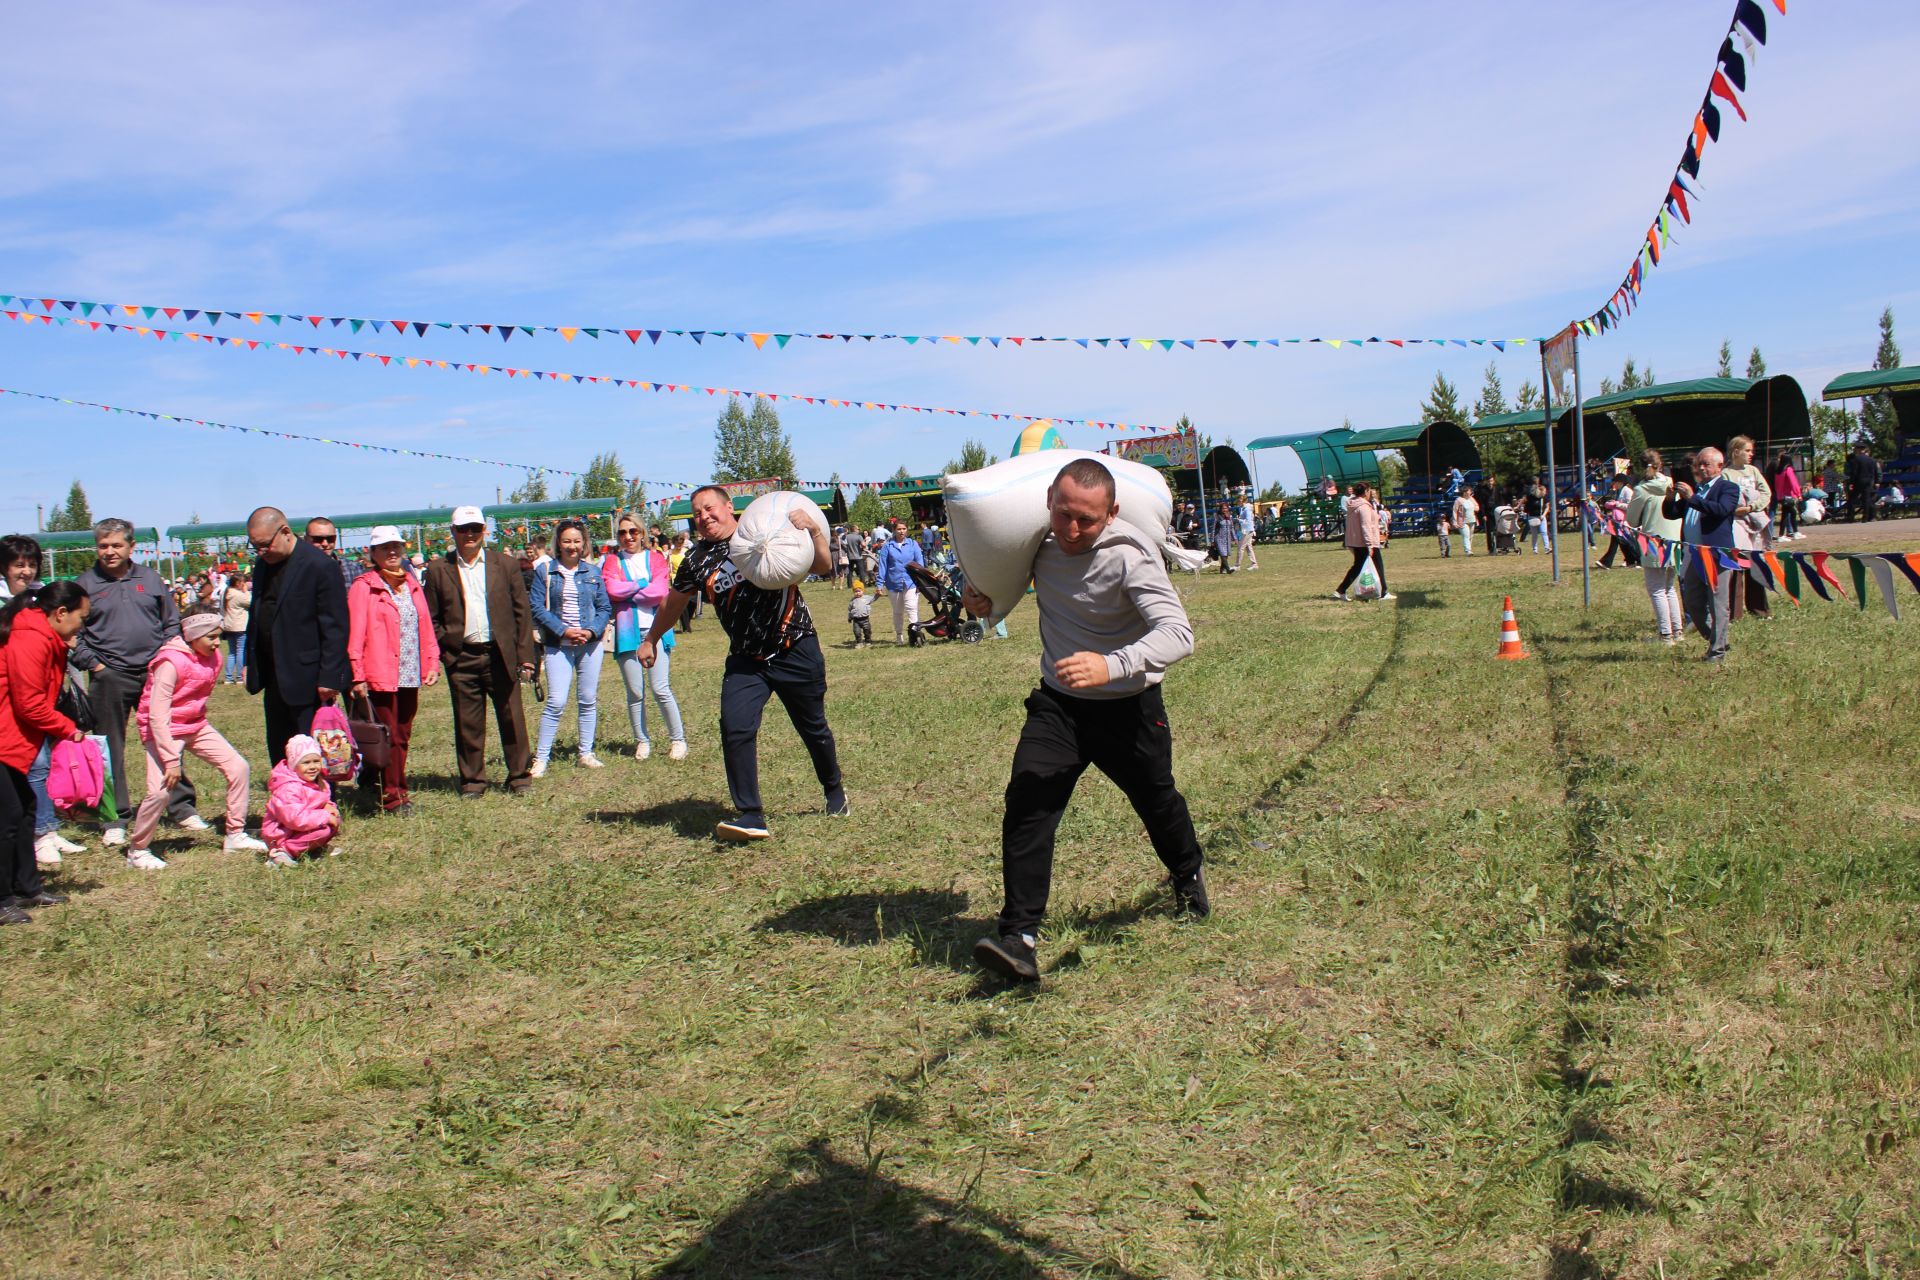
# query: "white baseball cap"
[[383, 534], [466, 515]]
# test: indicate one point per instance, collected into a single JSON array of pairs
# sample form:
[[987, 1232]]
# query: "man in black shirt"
[[773, 653], [1863, 483]]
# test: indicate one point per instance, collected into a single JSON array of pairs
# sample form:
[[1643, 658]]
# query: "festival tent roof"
[[1700, 411], [366, 520], [913, 487], [1526, 420], [830, 500], [77, 539], [1902, 386], [1224, 468], [1430, 447], [504, 512], [1321, 454]]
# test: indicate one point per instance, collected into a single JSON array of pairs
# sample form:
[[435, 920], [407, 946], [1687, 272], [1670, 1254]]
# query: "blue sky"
[[1270, 169]]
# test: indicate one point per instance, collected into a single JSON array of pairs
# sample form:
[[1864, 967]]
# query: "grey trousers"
[[1710, 608]]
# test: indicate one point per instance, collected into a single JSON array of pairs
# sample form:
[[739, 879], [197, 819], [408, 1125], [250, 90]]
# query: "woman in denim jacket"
[[571, 612]]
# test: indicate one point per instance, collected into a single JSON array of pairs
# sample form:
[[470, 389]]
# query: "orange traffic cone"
[[1510, 649]]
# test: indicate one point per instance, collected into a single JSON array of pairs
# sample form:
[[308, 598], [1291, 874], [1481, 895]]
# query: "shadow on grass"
[[1417, 599], [824, 1216], [691, 818], [863, 919]]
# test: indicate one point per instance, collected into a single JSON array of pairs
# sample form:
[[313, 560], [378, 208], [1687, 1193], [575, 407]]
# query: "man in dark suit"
[[296, 631], [481, 617], [1863, 483]]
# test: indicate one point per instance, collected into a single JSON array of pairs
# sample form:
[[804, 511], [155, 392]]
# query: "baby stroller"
[[1506, 523], [949, 621]]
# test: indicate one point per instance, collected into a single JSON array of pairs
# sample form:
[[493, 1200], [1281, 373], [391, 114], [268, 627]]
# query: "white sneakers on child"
[[591, 762], [193, 822], [641, 750], [241, 842], [678, 751], [143, 860], [280, 858], [46, 849], [539, 769], [113, 837]]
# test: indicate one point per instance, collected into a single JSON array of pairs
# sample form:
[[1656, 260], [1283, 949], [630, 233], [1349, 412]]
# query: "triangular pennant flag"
[[1733, 64], [1792, 566], [1883, 578], [1751, 16], [1707, 565], [1720, 88], [1820, 559], [568, 334], [1710, 117], [782, 339], [1907, 564]]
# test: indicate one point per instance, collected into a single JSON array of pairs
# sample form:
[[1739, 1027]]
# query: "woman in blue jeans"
[[571, 611], [637, 580]]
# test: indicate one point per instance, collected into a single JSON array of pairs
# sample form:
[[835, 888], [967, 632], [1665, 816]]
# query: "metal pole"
[[1553, 480], [1580, 458]]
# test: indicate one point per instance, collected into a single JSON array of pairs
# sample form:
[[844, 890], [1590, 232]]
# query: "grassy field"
[[1596, 964]]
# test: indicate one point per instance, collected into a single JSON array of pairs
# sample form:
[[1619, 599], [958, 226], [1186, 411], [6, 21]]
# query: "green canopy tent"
[[1902, 386], [1691, 415], [1430, 448], [1323, 454]]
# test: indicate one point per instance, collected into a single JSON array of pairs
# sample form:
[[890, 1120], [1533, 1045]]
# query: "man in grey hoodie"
[[1110, 626], [132, 615]]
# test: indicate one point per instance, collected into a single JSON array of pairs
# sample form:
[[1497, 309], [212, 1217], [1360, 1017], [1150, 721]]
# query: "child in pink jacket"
[[301, 815], [172, 719]]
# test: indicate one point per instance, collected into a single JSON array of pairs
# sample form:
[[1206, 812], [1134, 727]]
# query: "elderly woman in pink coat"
[[394, 655]]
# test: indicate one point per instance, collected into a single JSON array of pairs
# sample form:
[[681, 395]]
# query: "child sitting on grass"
[[860, 614], [301, 815]]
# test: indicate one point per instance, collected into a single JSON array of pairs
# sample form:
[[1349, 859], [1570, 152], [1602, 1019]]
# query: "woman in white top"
[[571, 611], [637, 580]]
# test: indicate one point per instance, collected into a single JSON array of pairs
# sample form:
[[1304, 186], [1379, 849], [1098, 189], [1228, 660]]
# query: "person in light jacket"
[[1466, 514], [571, 611], [394, 654], [1645, 514], [637, 579], [1363, 535]]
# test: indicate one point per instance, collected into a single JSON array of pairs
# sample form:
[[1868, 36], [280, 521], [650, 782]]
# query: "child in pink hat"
[[301, 815]]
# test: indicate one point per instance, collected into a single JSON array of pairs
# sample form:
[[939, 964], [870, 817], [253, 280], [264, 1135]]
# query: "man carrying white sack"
[[1110, 626], [773, 652]]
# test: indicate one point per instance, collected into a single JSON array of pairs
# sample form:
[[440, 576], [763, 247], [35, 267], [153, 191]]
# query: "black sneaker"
[[12, 914], [1190, 895], [838, 806], [742, 827], [43, 898], [1009, 954]]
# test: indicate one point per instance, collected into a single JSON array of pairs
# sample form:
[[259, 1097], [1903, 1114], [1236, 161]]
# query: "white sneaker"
[[193, 822], [241, 842], [1389, 596], [678, 751], [641, 750], [591, 762], [45, 850], [113, 837], [143, 860], [280, 858], [539, 769], [63, 845]]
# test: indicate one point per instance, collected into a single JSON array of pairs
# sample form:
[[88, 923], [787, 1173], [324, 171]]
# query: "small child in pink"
[[172, 718], [301, 815]]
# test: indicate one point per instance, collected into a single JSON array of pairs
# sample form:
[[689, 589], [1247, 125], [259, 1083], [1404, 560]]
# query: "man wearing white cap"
[[297, 630], [484, 623]]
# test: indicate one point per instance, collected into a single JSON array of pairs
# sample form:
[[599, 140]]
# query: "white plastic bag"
[[998, 516], [767, 548], [1366, 583]]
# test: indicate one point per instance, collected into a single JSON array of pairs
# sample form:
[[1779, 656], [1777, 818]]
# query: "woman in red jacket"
[[394, 655], [35, 630]]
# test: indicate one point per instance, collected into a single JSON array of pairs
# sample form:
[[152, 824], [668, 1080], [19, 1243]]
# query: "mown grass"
[[1594, 964]]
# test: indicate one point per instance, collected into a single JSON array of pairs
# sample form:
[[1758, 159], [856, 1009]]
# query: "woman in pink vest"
[[173, 718], [391, 646]]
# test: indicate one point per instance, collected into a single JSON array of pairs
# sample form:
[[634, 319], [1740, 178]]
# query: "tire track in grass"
[[1602, 947]]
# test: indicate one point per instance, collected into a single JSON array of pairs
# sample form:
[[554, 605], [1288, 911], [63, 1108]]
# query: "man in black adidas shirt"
[[773, 653]]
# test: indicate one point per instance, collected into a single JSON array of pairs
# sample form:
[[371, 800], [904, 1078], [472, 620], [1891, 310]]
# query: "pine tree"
[[866, 510], [1529, 398], [1509, 458], [1493, 397], [606, 478], [1833, 433], [1877, 421], [973, 456], [1726, 359], [72, 516], [1756, 365], [749, 445], [1442, 402]]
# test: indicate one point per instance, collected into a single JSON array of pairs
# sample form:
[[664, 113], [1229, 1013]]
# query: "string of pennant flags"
[[389, 360], [530, 468], [759, 340], [1729, 79], [1787, 572]]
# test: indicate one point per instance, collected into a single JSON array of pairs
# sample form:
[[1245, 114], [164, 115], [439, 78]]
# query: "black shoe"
[[838, 806], [40, 899], [1010, 955], [11, 914], [742, 827], [1190, 896]]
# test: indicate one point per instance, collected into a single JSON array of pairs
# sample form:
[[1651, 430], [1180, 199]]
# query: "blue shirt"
[[894, 559]]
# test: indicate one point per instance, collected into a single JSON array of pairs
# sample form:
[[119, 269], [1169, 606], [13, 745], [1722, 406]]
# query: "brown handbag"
[[369, 735]]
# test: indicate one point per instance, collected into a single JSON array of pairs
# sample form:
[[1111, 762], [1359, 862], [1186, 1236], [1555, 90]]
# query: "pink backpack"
[[335, 736], [76, 775]]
